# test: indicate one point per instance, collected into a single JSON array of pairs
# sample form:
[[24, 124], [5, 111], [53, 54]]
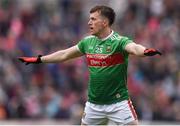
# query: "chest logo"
[[102, 60]]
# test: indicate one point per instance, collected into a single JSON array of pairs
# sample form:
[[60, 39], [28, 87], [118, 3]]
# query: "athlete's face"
[[97, 23]]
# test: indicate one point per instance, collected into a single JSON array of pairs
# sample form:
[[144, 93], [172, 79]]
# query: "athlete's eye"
[[92, 18]]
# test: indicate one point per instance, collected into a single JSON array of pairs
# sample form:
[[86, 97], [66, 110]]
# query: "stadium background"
[[56, 93]]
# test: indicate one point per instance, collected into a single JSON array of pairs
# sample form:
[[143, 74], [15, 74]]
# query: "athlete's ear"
[[105, 22]]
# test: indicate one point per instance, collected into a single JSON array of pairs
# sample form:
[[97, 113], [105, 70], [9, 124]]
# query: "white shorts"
[[118, 113]]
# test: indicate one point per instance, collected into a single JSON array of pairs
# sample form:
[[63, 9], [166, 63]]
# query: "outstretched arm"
[[139, 50], [59, 56], [62, 55]]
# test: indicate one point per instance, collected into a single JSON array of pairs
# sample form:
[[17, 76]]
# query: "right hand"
[[33, 60]]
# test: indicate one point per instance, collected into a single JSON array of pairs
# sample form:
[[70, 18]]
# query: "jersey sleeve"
[[81, 45], [123, 42]]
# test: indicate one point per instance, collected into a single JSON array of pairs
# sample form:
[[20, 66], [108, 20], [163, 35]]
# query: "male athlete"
[[107, 57]]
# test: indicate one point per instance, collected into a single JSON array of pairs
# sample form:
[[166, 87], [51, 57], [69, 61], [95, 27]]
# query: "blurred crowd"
[[58, 91]]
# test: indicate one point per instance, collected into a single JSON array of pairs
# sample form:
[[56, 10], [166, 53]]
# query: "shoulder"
[[118, 37], [89, 37]]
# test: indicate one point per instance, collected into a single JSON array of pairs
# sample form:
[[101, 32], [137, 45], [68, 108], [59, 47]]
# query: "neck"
[[104, 33]]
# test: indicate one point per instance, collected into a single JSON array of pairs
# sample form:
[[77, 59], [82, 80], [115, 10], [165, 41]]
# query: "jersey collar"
[[103, 39]]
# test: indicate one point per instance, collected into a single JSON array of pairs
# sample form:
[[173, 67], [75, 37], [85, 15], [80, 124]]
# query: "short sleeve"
[[81, 46], [124, 41]]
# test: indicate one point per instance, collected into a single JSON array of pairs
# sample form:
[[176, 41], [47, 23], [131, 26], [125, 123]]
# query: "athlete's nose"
[[89, 22]]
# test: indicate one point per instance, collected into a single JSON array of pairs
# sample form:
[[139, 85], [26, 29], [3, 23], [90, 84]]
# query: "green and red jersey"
[[107, 63]]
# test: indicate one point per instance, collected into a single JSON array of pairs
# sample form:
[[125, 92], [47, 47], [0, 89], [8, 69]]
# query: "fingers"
[[21, 59], [159, 53]]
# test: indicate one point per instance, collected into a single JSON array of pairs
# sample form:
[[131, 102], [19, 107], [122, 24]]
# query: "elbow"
[[63, 58], [132, 52], [135, 49]]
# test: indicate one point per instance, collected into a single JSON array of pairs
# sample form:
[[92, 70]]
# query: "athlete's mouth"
[[91, 28]]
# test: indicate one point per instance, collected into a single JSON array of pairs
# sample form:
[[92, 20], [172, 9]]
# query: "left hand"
[[151, 52]]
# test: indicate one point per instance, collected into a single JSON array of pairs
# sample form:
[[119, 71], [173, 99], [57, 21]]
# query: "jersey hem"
[[109, 102]]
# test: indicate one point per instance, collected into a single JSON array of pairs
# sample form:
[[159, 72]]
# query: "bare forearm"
[[135, 49], [62, 55], [54, 57], [139, 50]]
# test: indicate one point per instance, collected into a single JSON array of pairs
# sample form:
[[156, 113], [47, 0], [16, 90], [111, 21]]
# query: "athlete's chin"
[[93, 33]]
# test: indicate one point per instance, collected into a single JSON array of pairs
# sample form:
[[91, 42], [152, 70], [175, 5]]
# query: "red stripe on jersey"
[[132, 109], [104, 59]]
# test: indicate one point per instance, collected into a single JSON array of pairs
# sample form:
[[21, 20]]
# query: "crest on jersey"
[[108, 48]]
